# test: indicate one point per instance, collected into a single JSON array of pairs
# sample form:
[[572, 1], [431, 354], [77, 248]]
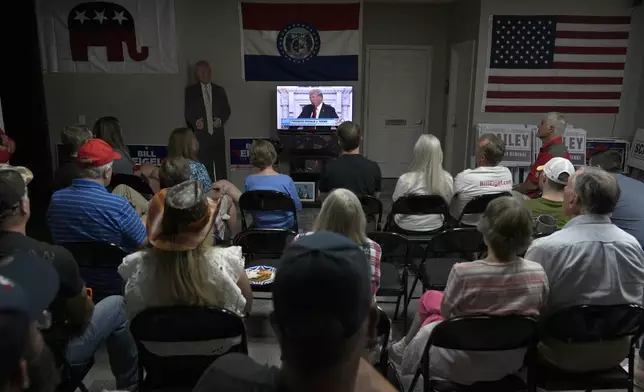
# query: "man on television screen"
[[317, 108]]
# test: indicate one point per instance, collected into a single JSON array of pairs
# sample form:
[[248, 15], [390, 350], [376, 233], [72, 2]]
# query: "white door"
[[459, 107], [397, 105]]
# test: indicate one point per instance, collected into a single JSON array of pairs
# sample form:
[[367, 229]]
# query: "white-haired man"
[[86, 211], [589, 262], [551, 131]]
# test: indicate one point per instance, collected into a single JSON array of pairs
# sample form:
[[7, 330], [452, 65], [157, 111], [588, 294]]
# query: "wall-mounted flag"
[[300, 41]]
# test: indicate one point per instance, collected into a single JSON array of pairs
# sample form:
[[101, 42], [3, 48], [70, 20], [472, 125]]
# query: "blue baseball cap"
[[27, 284], [322, 288]]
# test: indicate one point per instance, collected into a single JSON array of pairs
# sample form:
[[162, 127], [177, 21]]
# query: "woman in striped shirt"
[[501, 284]]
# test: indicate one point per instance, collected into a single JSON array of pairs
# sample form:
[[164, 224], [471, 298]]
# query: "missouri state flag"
[[300, 41]]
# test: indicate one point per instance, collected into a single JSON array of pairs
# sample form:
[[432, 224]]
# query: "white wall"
[[414, 24], [620, 125], [150, 106]]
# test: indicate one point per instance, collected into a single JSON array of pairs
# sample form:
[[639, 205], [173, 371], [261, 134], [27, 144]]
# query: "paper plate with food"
[[261, 275]]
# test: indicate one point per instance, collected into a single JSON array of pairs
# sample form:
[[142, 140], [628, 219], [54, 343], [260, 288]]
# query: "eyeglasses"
[[44, 321]]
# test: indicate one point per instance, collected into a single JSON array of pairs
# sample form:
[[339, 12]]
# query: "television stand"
[[307, 153]]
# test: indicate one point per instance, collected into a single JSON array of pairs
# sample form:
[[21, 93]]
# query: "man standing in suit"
[[207, 110], [318, 109]]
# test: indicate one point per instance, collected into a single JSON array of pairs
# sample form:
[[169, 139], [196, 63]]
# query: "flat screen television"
[[313, 108]]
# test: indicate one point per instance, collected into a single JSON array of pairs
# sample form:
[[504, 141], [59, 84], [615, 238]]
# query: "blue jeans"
[[109, 325]]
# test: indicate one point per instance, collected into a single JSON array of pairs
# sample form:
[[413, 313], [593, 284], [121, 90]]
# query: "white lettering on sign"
[[244, 153], [151, 160], [248, 146]]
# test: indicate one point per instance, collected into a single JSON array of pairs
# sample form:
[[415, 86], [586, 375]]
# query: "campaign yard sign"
[[152, 154], [240, 151], [518, 142], [575, 141], [636, 156]]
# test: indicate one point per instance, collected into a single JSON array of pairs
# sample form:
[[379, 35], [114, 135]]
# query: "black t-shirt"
[[71, 284], [65, 174], [353, 172], [238, 372]]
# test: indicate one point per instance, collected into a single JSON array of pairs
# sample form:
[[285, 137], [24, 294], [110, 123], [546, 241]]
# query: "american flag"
[[568, 64]]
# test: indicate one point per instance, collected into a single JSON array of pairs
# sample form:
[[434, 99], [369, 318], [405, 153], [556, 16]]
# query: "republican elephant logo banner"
[[118, 36]]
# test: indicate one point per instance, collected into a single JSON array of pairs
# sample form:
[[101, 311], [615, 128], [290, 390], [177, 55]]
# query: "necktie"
[[315, 112], [208, 104]]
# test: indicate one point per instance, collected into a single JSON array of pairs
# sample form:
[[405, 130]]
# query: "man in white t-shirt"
[[488, 177]]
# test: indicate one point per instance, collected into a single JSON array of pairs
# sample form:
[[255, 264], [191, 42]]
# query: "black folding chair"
[[177, 344], [98, 263], [441, 253], [480, 333], [372, 207], [263, 247], [588, 324], [416, 205], [135, 182], [264, 201], [383, 332], [478, 204], [394, 258]]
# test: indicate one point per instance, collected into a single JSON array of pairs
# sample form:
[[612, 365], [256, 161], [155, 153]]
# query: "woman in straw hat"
[[183, 268]]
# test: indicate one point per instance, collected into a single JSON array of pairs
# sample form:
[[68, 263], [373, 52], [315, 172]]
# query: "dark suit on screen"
[[212, 148], [326, 111]]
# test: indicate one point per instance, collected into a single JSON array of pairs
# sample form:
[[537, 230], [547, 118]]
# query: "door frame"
[[365, 101], [451, 99]]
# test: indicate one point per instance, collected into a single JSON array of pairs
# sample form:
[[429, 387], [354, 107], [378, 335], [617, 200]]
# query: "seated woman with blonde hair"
[[183, 268], [342, 213], [426, 176]]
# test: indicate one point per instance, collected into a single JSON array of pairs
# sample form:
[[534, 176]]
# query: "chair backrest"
[[457, 240], [485, 333], [98, 263], [372, 206], [417, 205], [394, 247], [134, 182], [263, 200], [177, 344], [478, 204], [592, 323], [264, 243]]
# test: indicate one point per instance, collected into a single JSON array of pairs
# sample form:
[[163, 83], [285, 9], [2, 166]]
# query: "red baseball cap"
[[96, 152]]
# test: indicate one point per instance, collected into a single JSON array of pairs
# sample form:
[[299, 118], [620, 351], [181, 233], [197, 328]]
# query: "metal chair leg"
[[405, 299], [397, 307]]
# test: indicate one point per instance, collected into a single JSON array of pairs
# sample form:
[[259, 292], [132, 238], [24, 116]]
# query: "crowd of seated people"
[[74, 315], [501, 284], [173, 260]]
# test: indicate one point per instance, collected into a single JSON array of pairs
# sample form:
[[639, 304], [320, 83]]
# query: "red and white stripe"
[[586, 76]]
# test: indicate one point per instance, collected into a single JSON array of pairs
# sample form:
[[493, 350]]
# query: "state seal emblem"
[[298, 42]]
